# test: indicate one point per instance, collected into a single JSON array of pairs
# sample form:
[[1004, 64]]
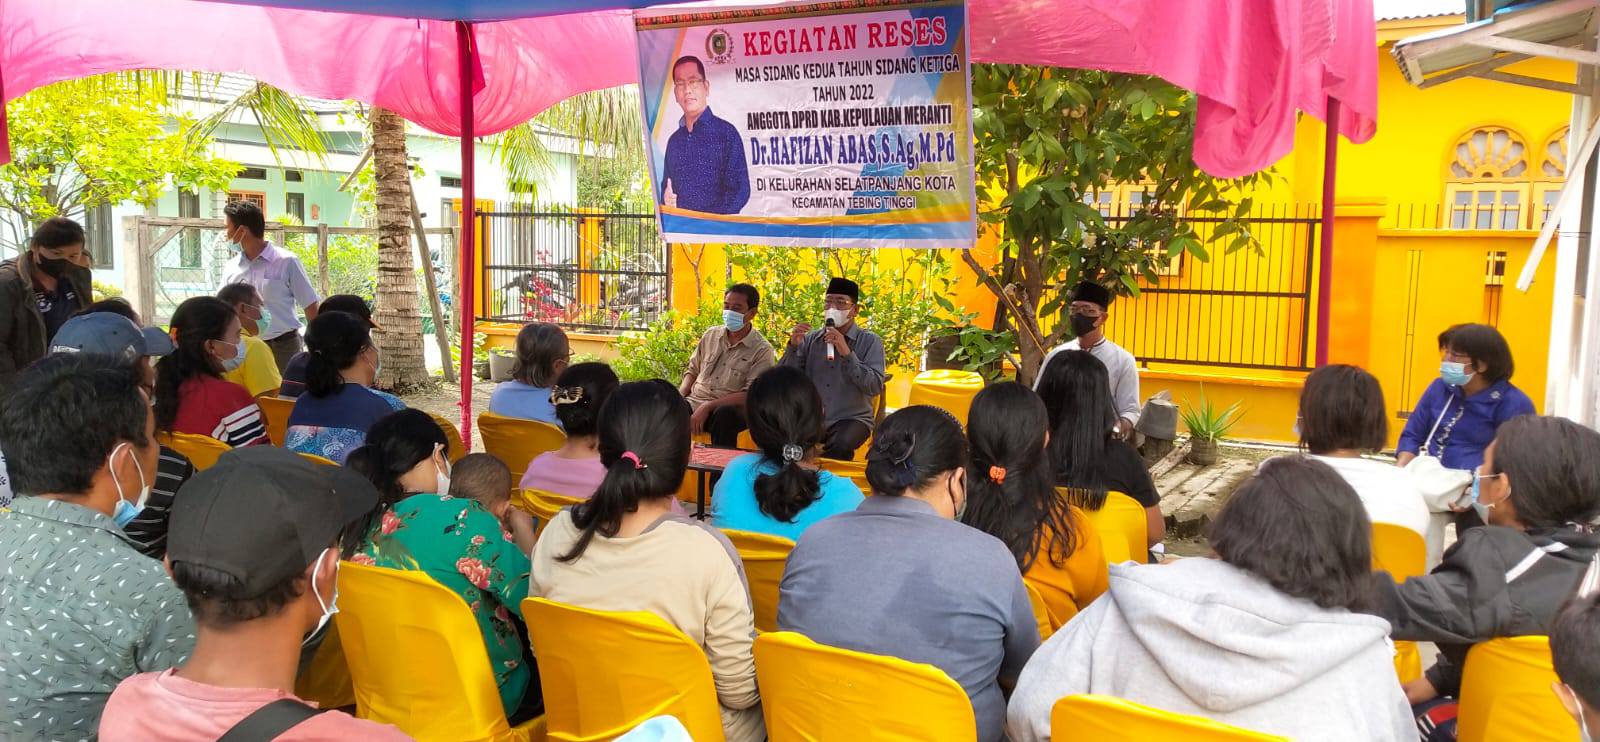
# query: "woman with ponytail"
[[331, 418], [458, 542], [780, 491], [901, 576], [1088, 456], [191, 395], [624, 549], [574, 470], [1012, 496]]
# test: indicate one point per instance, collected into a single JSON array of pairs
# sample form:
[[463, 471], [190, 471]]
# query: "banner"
[[842, 124]]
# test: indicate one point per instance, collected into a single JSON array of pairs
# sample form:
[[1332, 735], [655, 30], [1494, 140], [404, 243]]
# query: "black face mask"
[[1082, 325], [53, 267]]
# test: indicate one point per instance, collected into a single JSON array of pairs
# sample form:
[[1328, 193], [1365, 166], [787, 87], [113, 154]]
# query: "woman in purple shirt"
[[574, 469]]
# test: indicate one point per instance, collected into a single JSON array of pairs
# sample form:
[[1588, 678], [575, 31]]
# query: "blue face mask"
[[126, 511], [1454, 374], [734, 321], [1473, 493]]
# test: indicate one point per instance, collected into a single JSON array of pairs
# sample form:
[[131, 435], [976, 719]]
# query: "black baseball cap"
[[351, 304], [263, 514]]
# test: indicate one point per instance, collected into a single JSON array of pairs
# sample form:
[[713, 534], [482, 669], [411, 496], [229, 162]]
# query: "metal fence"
[[585, 269], [1251, 308]]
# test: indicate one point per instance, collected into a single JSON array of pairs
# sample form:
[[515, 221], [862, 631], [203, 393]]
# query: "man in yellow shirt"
[[259, 372]]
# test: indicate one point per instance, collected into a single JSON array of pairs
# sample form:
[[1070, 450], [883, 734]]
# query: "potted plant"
[[1207, 426], [501, 360]]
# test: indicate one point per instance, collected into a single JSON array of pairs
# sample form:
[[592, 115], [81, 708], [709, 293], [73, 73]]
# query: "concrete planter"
[[1202, 452]]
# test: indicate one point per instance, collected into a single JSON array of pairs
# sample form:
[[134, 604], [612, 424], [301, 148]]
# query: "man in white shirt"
[[275, 273], [1088, 312]]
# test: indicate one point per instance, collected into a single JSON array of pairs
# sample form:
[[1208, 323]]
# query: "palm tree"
[[397, 307]]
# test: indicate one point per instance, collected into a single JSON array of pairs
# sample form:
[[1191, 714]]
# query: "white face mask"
[[126, 511], [839, 316], [229, 364], [332, 605], [441, 474]]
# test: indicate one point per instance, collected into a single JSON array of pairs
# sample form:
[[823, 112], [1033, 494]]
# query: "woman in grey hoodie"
[[1263, 637]]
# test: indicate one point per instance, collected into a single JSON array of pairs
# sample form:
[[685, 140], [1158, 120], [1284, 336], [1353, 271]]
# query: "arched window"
[[1551, 175], [1488, 188]]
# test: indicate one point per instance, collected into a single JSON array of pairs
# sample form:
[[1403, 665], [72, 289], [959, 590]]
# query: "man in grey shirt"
[[900, 576], [847, 365]]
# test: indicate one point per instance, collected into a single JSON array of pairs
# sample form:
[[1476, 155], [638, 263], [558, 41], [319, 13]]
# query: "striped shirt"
[[148, 531], [220, 409]]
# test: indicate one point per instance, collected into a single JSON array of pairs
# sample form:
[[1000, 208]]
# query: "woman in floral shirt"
[[458, 542]]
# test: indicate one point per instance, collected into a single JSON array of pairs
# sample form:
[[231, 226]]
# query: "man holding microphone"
[[847, 365]]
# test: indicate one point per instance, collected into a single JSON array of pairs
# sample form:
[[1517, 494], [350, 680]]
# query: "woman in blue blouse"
[[542, 354], [1460, 411], [331, 418], [780, 491]]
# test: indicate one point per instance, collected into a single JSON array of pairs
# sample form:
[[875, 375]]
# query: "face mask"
[[332, 606], [53, 267], [734, 321], [377, 364], [126, 511], [839, 316], [234, 244], [1472, 496], [441, 476], [1082, 325], [1454, 374], [264, 322], [960, 508], [229, 364]]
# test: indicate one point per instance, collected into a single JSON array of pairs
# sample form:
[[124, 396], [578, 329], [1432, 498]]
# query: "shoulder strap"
[[268, 722]]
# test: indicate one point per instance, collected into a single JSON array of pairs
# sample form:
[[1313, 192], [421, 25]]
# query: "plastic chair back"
[[1402, 553], [949, 390], [326, 681], [764, 557], [810, 691], [1121, 523], [1506, 693], [200, 450], [275, 413], [1041, 612], [855, 471], [454, 448], [516, 441], [315, 459], [416, 657], [1094, 718], [605, 673], [541, 505]]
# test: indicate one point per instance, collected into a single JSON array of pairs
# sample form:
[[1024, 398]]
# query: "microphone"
[[829, 323]]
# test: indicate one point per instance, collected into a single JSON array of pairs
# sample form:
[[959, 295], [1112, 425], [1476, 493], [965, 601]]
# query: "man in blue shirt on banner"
[[705, 167]]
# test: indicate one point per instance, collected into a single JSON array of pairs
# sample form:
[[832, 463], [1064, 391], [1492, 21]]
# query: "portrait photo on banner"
[[842, 124]]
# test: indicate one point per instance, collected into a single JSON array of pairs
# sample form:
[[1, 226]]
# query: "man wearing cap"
[[294, 377], [80, 609], [254, 548], [847, 365], [1087, 313]]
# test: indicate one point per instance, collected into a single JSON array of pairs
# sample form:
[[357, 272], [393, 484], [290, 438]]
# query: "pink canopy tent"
[[477, 67]]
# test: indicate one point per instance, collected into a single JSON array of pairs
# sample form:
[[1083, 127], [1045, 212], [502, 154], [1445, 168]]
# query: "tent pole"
[[1330, 169], [466, 305]]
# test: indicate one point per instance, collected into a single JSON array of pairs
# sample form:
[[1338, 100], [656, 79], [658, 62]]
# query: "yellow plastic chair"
[[1506, 694], [1121, 524], [516, 441], [1402, 553], [541, 505], [315, 459], [326, 681], [947, 389], [454, 448], [417, 659], [810, 691], [1095, 718], [764, 557], [200, 450], [1041, 612], [275, 414], [605, 673], [855, 471]]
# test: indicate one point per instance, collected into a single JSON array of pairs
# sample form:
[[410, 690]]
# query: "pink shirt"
[[160, 706], [570, 477]]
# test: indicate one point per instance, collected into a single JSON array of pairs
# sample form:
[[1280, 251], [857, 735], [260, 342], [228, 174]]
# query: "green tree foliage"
[[72, 151], [1048, 141]]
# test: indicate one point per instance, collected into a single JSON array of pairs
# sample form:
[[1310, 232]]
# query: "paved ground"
[[444, 399]]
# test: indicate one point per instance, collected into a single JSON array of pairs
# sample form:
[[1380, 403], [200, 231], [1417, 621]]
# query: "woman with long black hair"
[[1089, 457], [624, 549], [191, 395], [1011, 495], [780, 490], [331, 418]]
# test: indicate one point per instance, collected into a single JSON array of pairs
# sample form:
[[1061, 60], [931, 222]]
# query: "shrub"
[[662, 351]]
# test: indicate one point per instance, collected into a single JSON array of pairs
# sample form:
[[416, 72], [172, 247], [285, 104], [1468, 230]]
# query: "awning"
[[1557, 29]]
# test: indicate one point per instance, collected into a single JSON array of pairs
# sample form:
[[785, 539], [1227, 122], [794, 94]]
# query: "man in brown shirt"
[[728, 358]]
